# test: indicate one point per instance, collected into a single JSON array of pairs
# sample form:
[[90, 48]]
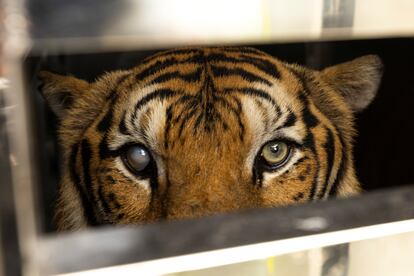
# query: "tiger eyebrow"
[[252, 92], [160, 65], [157, 94], [219, 71], [290, 121]]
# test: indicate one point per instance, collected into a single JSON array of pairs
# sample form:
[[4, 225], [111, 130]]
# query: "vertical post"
[[19, 133]]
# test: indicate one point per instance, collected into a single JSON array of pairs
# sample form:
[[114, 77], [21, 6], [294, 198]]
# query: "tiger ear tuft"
[[357, 80], [61, 91]]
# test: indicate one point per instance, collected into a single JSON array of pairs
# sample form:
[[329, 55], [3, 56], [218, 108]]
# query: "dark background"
[[383, 150]]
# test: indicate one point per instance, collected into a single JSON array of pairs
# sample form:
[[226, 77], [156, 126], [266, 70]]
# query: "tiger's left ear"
[[60, 91], [357, 80]]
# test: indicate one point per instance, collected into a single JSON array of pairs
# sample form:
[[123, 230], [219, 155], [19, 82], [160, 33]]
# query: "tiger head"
[[197, 131]]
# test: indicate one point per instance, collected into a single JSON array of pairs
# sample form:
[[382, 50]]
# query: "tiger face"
[[198, 131]]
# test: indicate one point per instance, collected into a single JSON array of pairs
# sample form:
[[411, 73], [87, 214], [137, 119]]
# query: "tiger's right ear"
[[60, 91]]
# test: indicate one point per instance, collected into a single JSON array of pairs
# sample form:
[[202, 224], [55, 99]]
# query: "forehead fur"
[[196, 99]]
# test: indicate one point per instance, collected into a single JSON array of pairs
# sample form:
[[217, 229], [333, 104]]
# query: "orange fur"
[[204, 115]]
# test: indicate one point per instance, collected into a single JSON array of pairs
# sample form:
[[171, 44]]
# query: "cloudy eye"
[[136, 158], [275, 153]]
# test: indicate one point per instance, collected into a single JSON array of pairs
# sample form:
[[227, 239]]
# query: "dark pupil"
[[274, 148]]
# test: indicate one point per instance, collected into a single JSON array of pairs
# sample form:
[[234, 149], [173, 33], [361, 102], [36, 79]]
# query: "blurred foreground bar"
[[104, 25], [233, 238]]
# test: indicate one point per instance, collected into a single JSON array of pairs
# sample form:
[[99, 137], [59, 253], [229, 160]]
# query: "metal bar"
[[109, 247], [104, 25], [9, 253], [338, 14], [19, 132]]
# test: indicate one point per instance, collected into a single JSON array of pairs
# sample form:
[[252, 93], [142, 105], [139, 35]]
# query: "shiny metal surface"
[[19, 133], [226, 239], [84, 26], [384, 256]]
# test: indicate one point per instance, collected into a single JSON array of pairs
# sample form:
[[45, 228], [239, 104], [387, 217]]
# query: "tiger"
[[198, 131]]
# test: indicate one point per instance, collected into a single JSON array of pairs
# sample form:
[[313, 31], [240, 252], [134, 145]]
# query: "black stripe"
[[167, 125], [106, 122], [210, 115], [193, 100], [142, 130], [244, 50], [102, 198], [309, 142], [189, 77], [88, 211], [236, 111], [72, 164], [86, 155], [113, 95], [252, 92], [220, 71], [290, 121], [329, 147], [265, 115], [198, 121], [315, 179], [239, 120], [185, 118], [308, 117], [262, 64], [169, 53], [341, 171], [157, 94], [104, 151], [310, 120], [122, 126], [160, 65], [213, 117]]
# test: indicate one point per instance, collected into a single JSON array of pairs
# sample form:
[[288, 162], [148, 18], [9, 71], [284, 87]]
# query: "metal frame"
[[273, 232], [60, 25], [232, 238]]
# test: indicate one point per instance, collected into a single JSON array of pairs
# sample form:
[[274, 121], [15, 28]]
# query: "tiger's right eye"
[[136, 158]]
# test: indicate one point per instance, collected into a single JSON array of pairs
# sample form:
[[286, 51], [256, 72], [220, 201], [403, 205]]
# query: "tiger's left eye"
[[275, 153], [136, 158]]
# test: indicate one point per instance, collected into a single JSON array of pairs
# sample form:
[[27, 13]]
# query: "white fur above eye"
[[156, 124]]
